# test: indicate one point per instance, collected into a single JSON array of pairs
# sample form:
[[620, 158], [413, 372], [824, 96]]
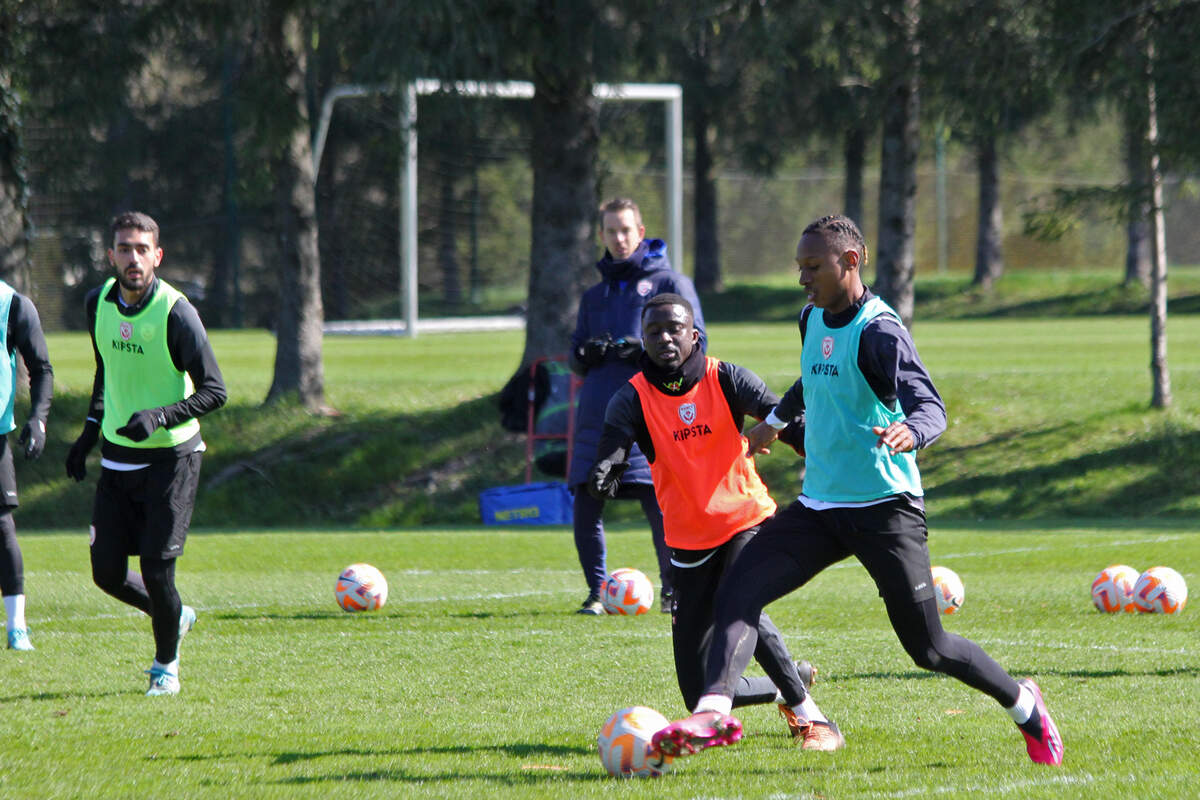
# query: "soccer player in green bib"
[[156, 375], [869, 404]]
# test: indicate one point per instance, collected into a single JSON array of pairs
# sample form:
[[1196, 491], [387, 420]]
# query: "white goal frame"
[[669, 93]]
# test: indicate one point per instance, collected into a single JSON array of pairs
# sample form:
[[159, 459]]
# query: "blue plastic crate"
[[530, 504]]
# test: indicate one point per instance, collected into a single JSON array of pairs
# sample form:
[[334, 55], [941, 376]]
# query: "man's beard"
[[128, 285]]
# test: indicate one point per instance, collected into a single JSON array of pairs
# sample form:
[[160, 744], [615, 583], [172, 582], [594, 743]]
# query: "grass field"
[[1048, 417], [477, 681]]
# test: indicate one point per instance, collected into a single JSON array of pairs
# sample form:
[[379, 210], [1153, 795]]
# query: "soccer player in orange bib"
[[685, 412]]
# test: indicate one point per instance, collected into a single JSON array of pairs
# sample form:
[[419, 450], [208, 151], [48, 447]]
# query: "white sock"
[[1023, 709], [779, 699], [714, 702], [809, 709], [14, 607], [172, 668]]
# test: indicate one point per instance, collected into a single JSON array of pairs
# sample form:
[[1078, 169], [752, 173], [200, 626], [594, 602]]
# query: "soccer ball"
[[627, 592], [1112, 590], [624, 744], [948, 589], [1160, 590], [361, 587]]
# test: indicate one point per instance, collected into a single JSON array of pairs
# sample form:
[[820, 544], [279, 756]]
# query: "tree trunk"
[[707, 249], [14, 222], [1159, 372], [298, 365], [898, 174], [226, 307], [1137, 230], [565, 141], [855, 149], [989, 247], [449, 150], [335, 265]]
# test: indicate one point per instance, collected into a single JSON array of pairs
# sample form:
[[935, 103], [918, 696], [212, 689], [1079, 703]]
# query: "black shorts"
[[8, 477], [146, 511], [888, 538]]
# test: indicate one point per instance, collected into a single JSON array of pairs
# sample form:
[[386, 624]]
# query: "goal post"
[[670, 94]]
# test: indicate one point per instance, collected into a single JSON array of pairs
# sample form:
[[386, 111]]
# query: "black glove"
[[592, 352], [627, 349], [605, 479], [793, 436], [33, 438], [79, 451], [143, 423]]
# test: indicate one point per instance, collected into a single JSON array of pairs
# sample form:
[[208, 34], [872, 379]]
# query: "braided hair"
[[840, 232]]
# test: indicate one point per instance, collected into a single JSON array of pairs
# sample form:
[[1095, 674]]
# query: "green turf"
[[1048, 417], [476, 680]]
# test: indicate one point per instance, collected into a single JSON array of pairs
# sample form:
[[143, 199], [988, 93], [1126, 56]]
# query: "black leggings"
[[889, 540], [12, 567], [157, 597], [698, 575]]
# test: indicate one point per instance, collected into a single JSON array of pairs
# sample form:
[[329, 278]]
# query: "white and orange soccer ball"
[[624, 744], [948, 589], [361, 587], [1160, 590], [627, 592], [1112, 590]]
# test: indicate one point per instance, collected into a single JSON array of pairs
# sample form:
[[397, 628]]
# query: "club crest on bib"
[[126, 331], [644, 287], [687, 413], [827, 346]]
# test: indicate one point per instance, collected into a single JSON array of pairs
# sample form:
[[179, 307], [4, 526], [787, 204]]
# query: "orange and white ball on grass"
[[624, 744], [1112, 589], [1160, 590], [627, 592], [948, 589], [361, 587]]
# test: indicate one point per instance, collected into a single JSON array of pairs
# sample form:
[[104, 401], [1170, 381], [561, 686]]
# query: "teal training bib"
[[843, 464]]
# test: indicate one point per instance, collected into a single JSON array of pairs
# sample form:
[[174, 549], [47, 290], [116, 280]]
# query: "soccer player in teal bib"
[[156, 375], [869, 404], [20, 331]]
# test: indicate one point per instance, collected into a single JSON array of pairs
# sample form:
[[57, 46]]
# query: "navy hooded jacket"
[[614, 305]]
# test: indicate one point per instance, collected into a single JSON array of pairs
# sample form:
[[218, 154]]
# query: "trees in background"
[[989, 73], [560, 35], [14, 190], [283, 123], [1135, 58], [206, 121], [900, 94], [718, 53]]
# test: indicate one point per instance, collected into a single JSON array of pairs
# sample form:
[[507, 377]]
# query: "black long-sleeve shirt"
[[188, 345], [625, 422], [25, 336], [888, 360]]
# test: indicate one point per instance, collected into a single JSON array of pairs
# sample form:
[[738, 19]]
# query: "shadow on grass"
[[1165, 672], [251, 615], [273, 468], [1166, 463], [278, 467], [531, 775], [69, 695], [516, 750], [768, 304]]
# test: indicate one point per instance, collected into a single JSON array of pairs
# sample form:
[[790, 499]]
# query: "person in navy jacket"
[[605, 349]]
